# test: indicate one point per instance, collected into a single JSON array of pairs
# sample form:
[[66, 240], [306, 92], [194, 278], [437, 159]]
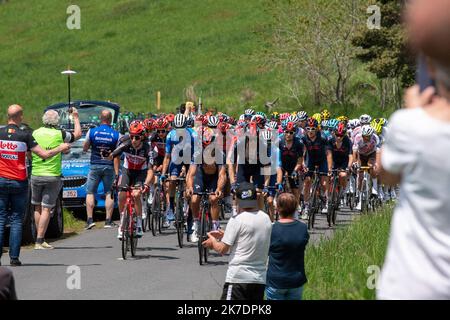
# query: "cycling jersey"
[[103, 139], [316, 150], [341, 154], [173, 139], [366, 148], [300, 133], [158, 144], [135, 159], [290, 156], [326, 134], [355, 132], [14, 144]]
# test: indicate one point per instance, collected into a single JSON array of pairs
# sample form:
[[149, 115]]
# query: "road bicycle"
[[315, 201], [181, 209], [129, 223], [334, 197], [158, 206], [205, 225]]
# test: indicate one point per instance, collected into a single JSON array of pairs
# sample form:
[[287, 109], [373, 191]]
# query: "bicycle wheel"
[[125, 239], [208, 226], [162, 209], [179, 218], [155, 212], [133, 236], [145, 221], [313, 206], [202, 235]]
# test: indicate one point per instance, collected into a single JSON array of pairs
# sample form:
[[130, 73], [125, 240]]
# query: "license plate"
[[70, 194]]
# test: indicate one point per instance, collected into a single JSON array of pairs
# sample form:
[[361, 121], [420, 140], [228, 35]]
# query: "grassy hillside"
[[127, 50]]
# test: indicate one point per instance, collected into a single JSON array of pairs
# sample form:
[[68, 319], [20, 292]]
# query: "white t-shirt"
[[248, 234], [417, 263]]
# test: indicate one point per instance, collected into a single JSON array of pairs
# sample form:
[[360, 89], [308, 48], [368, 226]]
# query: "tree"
[[311, 42], [385, 51]]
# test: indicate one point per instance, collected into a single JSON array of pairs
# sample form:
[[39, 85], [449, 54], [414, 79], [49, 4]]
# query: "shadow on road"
[[57, 265], [155, 248], [82, 248], [150, 256]]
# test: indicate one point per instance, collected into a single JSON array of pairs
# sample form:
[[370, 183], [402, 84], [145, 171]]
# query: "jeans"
[[284, 294], [13, 199]]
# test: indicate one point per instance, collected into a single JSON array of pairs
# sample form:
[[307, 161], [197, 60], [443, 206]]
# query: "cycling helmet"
[[249, 112], [354, 123], [136, 128], [342, 118], [275, 115], [317, 117], [365, 119], [213, 121], [148, 124], [340, 129], [273, 125], [312, 123], [302, 116], [179, 121], [161, 124], [242, 117], [324, 124], [292, 118], [326, 115], [262, 114], [170, 117], [284, 116], [290, 126], [367, 130], [266, 135], [258, 119], [333, 123]]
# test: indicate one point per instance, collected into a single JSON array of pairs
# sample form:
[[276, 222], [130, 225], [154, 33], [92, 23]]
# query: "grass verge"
[[338, 268], [72, 225]]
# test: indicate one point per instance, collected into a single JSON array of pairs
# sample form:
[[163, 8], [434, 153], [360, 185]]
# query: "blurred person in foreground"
[[415, 155]]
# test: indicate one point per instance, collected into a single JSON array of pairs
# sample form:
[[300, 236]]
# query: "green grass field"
[[338, 268], [126, 50]]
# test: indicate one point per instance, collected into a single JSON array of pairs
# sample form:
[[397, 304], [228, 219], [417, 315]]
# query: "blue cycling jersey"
[[102, 139], [177, 136]]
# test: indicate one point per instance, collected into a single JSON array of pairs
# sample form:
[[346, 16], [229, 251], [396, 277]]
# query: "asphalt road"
[[161, 270]]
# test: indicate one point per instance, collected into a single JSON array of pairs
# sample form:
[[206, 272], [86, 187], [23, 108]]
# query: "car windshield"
[[76, 152], [88, 115]]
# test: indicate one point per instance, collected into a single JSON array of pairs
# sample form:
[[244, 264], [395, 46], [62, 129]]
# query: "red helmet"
[[312, 123], [161, 124], [148, 124], [170, 117], [290, 127], [341, 129], [136, 128]]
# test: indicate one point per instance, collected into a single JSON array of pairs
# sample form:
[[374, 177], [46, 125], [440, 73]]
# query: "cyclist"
[[365, 151], [318, 153], [302, 117], [291, 151], [206, 173], [137, 170], [342, 154], [179, 152]]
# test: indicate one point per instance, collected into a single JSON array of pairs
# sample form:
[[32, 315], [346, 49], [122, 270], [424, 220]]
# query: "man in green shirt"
[[46, 180]]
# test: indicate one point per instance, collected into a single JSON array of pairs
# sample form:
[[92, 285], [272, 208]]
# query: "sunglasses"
[[339, 135], [310, 129], [289, 132], [135, 137]]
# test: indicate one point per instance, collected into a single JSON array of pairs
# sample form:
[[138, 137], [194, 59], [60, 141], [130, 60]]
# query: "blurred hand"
[[65, 147], [413, 98], [74, 112], [217, 234]]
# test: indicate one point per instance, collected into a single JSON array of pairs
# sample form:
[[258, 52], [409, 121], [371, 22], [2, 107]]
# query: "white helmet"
[[249, 112], [367, 130], [242, 117], [179, 121], [302, 115], [365, 119], [273, 125], [353, 123], [292, 118], [213, 121], [266, 135]]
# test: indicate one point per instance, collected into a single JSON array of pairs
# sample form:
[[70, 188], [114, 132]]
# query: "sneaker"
[[139, 232], [110, 224], [166, 223], [193, 236], [358, 206], [89, 224], [304, 216], [150, 197], [43, 246], [15, 262], [325, 209], [119, 234]]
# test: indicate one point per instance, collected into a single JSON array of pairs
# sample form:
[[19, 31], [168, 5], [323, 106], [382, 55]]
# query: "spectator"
[[46, 180], [14, 144], [7, 287], [247, 236], [286, 272], [103, 140], [415, 154]]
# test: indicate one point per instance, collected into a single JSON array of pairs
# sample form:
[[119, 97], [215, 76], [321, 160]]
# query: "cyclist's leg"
[[372, 163], [174, 172], [210, 182], [195, 204]]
